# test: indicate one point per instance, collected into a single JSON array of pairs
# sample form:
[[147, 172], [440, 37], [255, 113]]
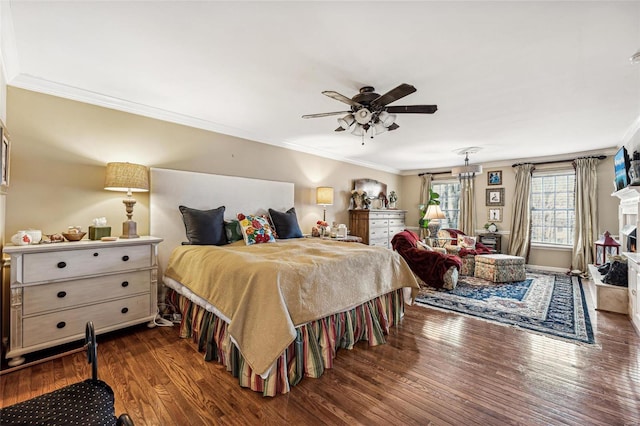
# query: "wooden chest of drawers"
[[56, 288], [376, 227]]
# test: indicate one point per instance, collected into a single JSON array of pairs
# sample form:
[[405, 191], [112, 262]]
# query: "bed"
[[277, 312]]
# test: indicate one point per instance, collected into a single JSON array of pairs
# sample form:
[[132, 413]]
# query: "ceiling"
[[516, 79]]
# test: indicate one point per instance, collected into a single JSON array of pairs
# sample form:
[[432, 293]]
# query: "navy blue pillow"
[[286, 224], [204, 227]]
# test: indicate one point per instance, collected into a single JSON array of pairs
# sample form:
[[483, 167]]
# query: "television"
[[621, 167]]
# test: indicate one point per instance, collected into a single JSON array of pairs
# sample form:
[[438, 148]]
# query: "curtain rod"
[[436, 173], [599, 157]]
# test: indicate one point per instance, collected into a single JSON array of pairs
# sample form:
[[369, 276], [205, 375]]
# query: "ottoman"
[[500, 268]]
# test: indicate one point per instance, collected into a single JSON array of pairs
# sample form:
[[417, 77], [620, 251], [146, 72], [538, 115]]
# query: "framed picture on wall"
[[494, 177], [495, 214], [495, 196], [5, 156]]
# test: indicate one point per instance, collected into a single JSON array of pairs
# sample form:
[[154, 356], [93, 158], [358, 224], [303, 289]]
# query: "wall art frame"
[[494, 177], [5, 158], [495, 214], [495, 196]]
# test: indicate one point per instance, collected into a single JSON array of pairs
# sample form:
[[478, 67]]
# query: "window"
[[552, 208], [449, 201]]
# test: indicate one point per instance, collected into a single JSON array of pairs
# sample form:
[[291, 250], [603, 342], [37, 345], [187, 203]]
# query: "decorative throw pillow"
[[204, 227], [423, 246], [233, 231], [274, 231], [465, 241], [255, 229], [286, 224]]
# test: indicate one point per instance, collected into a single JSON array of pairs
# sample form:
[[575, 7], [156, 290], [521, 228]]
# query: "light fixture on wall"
[[130, 178], [635, 58], [468, 171], [433, 214], [324, 197]]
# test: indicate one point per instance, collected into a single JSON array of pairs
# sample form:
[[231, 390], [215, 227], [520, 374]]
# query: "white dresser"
[[376, 227], [634, 283], [56, 288]]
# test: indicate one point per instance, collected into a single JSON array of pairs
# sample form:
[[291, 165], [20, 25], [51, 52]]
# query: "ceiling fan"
[[370, 110]]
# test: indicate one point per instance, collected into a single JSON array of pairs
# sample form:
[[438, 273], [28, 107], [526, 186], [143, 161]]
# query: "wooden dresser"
[[56, 288], [376, 227]]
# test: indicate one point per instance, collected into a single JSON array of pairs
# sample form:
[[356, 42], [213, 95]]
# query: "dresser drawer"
[[378, 242], [54, 265], [394, 230], [378, 223], [378, 233], [396, 222], [58, 325], [66, 294], [396, 216]]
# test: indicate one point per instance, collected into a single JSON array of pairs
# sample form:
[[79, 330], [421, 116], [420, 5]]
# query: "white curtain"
[[586, 213], [466, 221], [425, 187], [520, 240]]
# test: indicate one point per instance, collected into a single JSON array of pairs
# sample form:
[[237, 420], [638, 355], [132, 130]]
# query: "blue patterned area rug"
[[545, 303]]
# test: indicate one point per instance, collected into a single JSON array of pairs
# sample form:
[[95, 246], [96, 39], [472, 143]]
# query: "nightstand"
[[57, 288], [491, 240]]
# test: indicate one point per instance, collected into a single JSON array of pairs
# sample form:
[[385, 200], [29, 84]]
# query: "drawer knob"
[[124, 310], [62, 294], [61, 324], [125, 258], [125, 284], [95, 254], [62, 265]]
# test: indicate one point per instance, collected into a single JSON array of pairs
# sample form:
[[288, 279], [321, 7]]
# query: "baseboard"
[[548, 268]]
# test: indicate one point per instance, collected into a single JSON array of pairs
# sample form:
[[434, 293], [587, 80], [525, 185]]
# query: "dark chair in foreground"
[[86, 403], [430, 267]]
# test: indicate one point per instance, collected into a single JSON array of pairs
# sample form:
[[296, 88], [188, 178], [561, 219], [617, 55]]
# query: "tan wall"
[[557, 258], [61, 147]]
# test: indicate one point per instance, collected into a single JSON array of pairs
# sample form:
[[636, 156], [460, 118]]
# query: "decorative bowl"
[[76, 236]]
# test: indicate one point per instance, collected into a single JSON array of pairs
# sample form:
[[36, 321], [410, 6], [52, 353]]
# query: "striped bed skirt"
[[313, 350]]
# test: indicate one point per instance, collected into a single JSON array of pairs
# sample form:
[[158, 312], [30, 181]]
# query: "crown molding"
[[36, 84]]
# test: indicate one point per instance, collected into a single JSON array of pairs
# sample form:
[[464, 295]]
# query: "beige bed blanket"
[[266, 290]]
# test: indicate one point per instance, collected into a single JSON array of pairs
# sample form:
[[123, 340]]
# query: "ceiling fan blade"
[[393, 95], [392, 127], [339, 129], [412, 109], [342, 98], [325, 114]]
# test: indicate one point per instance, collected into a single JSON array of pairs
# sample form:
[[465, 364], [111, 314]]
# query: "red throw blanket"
[[430, 266]]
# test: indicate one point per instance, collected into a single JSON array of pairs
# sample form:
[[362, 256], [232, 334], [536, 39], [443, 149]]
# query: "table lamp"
[[324, 197], [433, 215], [130, 178]]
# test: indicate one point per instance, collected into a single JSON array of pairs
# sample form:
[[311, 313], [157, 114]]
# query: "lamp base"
[[434, 227], [129, 229]]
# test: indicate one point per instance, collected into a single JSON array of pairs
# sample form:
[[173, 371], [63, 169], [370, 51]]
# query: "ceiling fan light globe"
[[358, 130], [387, 119], [346, 121], [379, 128], [363, 116]]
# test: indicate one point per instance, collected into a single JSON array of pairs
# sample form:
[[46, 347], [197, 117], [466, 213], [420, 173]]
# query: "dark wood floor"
[[437, 368]]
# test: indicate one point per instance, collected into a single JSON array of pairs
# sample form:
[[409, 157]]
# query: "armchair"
[[431, 268], [467, 253]]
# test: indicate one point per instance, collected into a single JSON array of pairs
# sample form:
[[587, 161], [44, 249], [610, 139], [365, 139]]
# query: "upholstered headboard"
[[172, 188]]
